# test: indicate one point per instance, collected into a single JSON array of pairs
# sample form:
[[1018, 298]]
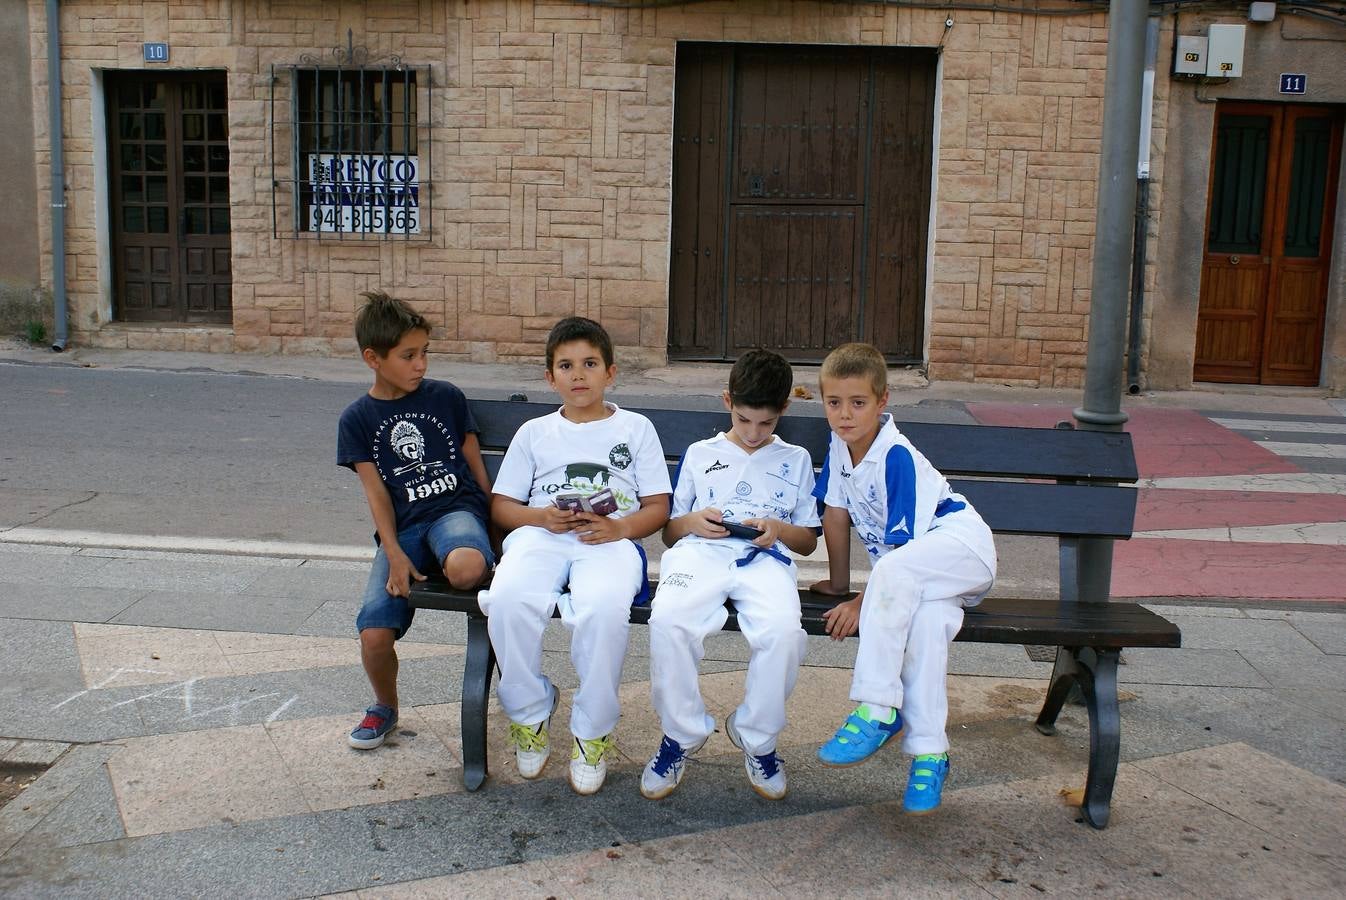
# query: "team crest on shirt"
[[743, 489], [620, 456], [873, 494]]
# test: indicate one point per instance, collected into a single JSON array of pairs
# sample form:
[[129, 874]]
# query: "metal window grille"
[[353, 158]]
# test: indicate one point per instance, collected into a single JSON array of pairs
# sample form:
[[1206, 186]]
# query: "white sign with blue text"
[[362, 193]]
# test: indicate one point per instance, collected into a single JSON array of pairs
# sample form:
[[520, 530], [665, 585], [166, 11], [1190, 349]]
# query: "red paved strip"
[[1152, 567], [1170, 443], [1164, 509]]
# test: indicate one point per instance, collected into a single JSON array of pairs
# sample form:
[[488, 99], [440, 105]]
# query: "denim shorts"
[[426, 544]]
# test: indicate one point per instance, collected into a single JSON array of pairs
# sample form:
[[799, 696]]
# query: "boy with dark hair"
[[932, 556], [577, 490], [413, 442], [741, 499]]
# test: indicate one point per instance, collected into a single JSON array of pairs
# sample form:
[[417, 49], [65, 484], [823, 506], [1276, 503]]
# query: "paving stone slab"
[[226, 612], [36, 753], [89, 815], [1320, 670], [309, 582], [1264, 720], [191, 575], [1261, 635], [36, 567], [1208, 668], [1305, 810], [59, 602], [45, 795]]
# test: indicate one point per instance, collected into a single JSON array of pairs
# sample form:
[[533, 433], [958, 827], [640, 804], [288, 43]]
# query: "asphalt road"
[[186, 454]]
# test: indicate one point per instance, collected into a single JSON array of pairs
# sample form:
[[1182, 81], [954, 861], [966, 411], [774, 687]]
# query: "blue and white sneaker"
[[379, 720], [858, 738], [664, 771], [925, 784], [766, 773]]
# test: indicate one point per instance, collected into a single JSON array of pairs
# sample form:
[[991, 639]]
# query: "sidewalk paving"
[[196, 704]]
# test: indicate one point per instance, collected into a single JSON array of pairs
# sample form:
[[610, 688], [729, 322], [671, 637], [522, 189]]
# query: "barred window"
[[356, 141]]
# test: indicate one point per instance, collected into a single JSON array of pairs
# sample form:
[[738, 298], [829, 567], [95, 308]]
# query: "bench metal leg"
[[477, 672], [1063, 679], [1098, 678]]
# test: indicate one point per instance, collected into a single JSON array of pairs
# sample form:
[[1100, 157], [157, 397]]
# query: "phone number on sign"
[[365, 218]]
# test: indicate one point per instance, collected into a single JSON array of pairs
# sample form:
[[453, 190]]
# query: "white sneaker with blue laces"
[[665, 768], [766, 773]]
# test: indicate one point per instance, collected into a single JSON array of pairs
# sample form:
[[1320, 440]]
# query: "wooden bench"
[[1025, 481]]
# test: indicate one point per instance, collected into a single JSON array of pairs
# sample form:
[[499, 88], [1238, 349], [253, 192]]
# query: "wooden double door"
[[1264, 275], [168, 163], [801, 199]]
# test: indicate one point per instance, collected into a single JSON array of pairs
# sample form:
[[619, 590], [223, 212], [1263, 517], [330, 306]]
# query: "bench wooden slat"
[[989, 450], [996, 620]]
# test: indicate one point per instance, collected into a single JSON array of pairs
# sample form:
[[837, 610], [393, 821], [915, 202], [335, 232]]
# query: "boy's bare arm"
[[475, 465], [510, 514], [837, 539], [400, 569]]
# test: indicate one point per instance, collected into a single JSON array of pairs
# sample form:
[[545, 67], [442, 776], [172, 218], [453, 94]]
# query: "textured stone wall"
[[551, 131]]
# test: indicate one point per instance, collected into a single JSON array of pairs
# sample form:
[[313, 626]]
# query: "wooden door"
[[1268, 244], [801, 200], [169, 170]]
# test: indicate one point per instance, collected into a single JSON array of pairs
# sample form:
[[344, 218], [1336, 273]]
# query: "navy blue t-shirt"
[[416, 443]]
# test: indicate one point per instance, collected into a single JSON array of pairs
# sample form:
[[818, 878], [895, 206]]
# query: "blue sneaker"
[[858, 738], [379, 720], [925, 784]]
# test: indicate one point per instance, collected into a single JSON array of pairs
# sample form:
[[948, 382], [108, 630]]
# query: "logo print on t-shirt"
[[408, 443], [715, 467], [620, 456], [743, 489]]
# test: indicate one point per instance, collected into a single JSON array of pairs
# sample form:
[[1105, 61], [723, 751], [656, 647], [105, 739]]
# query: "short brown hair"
[[578, 328], [856, 361], [383, 320]]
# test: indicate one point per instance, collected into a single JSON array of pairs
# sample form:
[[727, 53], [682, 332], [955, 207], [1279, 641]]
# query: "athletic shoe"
[[858, 738], [589, 764], [925, 784], [531, 746], [379, 720], [766, 774], [664, 771]]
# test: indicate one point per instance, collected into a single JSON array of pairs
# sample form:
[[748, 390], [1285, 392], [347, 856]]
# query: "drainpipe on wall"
[[54, 131], [1141, 227]]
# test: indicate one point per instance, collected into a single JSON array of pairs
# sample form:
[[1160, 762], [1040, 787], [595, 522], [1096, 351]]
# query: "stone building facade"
[[549, 130]]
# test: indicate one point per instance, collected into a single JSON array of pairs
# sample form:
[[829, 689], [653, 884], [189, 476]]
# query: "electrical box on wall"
[[1189, 55], [1224, 51]]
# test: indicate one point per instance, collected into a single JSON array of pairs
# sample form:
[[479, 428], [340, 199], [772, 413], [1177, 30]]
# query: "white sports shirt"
[[775, 481], [893, 495], [551, 454]]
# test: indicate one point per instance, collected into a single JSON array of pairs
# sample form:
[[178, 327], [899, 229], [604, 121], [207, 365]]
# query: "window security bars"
[[356, 164]]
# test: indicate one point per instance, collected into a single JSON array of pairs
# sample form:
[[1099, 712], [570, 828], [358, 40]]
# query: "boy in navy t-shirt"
[[413, 443]]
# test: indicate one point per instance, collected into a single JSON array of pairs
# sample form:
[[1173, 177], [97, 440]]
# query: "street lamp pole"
[[1103, 374]]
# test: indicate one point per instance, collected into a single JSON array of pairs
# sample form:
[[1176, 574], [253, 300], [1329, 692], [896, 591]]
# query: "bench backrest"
[[1040, 481]]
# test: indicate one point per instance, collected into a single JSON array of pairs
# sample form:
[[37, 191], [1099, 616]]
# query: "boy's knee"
[[464, 567], [378, 641]]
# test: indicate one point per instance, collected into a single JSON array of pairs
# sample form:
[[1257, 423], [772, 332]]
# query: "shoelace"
[[768, 764], [372, 721], [527, 738], [593, 749], [670, 754]]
